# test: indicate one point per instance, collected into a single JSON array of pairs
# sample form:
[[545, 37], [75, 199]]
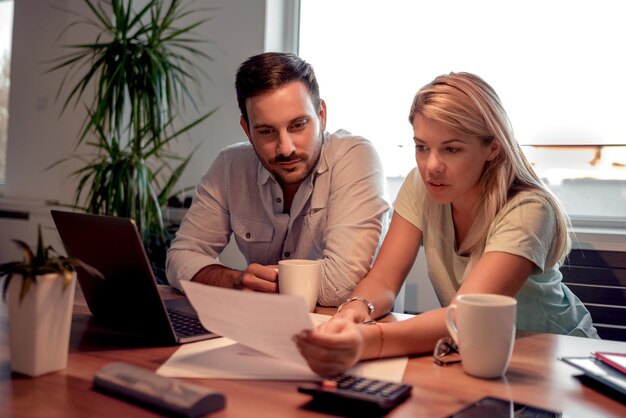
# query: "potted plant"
[[40, 293], [142, 65]]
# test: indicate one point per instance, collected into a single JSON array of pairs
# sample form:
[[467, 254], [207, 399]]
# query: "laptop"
[[126, 297]]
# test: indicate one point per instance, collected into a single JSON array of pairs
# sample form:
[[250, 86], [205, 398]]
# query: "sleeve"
[[356, 218], [205, 230], [525, 227]]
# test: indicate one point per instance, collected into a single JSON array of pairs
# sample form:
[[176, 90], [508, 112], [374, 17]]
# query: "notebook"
[[127, 296], [599, 373]]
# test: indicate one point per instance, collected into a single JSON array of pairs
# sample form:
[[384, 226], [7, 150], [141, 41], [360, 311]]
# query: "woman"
[[487, 223]]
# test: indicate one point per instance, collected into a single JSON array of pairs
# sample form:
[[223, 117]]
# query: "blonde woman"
[[487, 225]]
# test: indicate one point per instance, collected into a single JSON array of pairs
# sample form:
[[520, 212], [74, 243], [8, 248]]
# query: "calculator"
[[359, 392]]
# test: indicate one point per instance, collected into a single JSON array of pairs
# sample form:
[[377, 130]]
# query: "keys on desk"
[[164, 393], [359, 391]]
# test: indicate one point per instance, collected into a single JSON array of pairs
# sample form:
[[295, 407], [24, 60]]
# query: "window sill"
[[601, 238]]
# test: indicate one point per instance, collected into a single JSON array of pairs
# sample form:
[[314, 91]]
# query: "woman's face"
[[450, 162]]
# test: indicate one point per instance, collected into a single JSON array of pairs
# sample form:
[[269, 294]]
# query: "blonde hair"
[[466, 103]]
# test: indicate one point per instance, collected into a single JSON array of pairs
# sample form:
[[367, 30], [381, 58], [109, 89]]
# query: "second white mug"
[[484, 332]]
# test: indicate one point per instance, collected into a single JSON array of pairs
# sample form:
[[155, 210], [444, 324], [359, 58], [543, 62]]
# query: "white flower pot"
[[39, 325]]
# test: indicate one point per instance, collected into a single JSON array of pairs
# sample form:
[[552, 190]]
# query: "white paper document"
[[265, 322], [257, 329], [223, 358]]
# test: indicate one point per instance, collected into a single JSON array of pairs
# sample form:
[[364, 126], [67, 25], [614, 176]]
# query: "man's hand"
[[255, 277], [259, 278]]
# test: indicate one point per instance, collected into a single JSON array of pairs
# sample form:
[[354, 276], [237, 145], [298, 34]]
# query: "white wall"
[[37, 136]]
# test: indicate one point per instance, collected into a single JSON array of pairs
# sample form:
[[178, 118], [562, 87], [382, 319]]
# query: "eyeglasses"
[[446, 352]]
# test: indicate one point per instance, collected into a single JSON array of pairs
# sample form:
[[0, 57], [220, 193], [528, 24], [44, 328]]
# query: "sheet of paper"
[[265, 322], [223, 358]]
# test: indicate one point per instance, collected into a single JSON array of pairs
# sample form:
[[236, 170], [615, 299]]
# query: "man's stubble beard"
[[293, 156]]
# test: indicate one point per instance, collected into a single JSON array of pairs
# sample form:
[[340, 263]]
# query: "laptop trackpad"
[[181, 305]]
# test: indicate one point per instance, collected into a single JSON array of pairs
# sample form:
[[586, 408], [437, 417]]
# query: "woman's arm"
[[383, 282], [335, 349], [337, 345], [497, 272]]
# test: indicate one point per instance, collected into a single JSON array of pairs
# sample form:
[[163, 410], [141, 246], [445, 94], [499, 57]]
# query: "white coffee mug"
[[300, 278], [484, 332]]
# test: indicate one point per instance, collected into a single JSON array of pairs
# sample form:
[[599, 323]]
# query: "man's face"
[[286, 131]]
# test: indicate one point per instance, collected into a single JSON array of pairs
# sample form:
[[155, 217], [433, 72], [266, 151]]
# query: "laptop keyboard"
[[185, 325]]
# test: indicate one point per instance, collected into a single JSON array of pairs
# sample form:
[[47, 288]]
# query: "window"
[[6, 29], [557, 65]]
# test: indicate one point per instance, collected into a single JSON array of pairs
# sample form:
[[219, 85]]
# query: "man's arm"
[[255, 277], [205, 230], [356, 217], [218, 275]]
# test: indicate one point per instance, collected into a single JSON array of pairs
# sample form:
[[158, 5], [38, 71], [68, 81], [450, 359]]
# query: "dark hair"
[[266, 72]]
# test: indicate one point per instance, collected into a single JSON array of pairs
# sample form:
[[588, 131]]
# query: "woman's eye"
[[452, 150], [420, 147]]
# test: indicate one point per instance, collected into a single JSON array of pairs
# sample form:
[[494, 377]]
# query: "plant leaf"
[[27, 252], [141, 69], [26, 283]]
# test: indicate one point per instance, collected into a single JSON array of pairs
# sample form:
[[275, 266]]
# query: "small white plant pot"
[[39, 325]]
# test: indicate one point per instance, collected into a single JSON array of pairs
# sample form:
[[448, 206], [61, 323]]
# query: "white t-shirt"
[[525, 227]]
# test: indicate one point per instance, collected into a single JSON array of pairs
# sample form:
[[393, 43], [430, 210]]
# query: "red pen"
[[615, 360]]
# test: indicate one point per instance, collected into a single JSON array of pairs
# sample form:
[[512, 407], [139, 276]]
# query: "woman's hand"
[[332, 348], [353, 315]]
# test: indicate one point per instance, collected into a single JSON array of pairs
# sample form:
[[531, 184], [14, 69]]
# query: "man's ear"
[[244, 126], [323, 115]]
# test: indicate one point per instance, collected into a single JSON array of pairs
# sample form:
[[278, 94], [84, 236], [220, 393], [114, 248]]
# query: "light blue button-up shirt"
[[338, 215]]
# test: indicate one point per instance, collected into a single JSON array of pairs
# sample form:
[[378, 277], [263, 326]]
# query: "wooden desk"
[[534, 377]]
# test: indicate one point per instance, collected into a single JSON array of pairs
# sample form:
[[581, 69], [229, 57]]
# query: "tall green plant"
[[140, 65]]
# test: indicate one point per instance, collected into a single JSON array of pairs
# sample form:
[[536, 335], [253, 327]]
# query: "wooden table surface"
[[535, 377]]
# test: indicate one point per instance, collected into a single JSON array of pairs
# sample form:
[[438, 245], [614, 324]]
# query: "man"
[[293, 191]]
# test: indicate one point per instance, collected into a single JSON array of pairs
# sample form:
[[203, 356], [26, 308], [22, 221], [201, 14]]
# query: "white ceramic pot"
[[39, 325]]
